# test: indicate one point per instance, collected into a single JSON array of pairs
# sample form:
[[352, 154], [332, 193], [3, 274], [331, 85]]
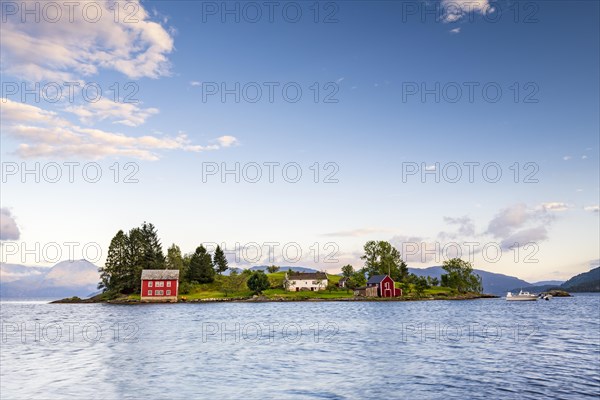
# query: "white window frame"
[[149, 292], [168, 283], [168, 292], [150, 283]]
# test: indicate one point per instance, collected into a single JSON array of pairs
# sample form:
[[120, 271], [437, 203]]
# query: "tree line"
[[131, 252], [381, 258], [140, 248]]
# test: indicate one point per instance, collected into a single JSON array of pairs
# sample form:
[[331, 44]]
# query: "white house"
[[297, 281]]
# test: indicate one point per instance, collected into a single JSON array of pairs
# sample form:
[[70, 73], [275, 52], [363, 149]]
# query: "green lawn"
[[440, 290], [213, 291], [322, 294]]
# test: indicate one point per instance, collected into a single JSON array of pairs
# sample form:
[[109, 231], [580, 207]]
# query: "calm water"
[[444, 349]]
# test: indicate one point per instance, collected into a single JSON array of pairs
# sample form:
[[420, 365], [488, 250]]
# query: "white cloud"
[[122, 113], [455, 30], [595, 208], [195, 83], [45, 134], [66, 50], [466, 228], [508, 219], [584, 157], [430, 168], [554, 206], [521, 225], [567, 158], [454, 10], [524, 237], [227, 141], [8, 226]]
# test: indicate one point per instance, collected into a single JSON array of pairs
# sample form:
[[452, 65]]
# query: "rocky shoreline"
[[264, 299]]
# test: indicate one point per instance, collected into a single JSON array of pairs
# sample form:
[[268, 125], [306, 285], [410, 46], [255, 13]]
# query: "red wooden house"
[[159, 285], [385, 286]]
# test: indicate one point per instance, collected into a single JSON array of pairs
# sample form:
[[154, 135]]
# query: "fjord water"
[[423, 350]]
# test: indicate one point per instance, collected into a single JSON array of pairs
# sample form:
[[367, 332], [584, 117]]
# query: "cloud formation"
[[454, 10], [554, 206], [508, 219], [466, 227], [227, 141], [8, 226], [122, 39], [519, 225], [128, 114], [45, 134], [525, 236]]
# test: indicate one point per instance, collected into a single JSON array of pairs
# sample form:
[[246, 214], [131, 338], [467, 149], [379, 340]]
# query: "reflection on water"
[[437, 349]]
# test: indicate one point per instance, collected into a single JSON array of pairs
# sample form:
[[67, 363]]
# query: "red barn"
[[159, 285], [385, 286]]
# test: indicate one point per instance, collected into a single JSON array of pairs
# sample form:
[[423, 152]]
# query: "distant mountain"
[[283, 268], [586, 282], [548, 283], [536, 288], [230, 270], [493, 283], [65, 279]]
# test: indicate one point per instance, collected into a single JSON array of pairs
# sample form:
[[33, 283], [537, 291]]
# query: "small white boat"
[[545, 296], [522, 296]]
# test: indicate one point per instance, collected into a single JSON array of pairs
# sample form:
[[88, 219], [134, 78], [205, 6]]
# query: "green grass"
[[213, 291], [435, 291], [440, 290], [321, 294]]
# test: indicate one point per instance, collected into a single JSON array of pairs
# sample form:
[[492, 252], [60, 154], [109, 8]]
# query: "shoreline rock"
[[558, 293]]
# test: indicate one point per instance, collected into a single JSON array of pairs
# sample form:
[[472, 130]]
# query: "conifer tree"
[[220, 261], [175, 260], [201, 267], [114, 273], [153, 255]]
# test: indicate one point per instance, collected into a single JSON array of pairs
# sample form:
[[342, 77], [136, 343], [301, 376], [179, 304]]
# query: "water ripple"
[[444, 349]]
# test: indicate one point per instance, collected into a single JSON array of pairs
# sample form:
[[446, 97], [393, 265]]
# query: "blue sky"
[[371, 57]]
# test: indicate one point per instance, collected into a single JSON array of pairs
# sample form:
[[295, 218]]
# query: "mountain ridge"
[[64, 279]]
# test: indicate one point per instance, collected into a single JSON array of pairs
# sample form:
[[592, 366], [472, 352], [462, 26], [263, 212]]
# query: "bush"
[[331, 287], [185, 288], [258, 282]]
